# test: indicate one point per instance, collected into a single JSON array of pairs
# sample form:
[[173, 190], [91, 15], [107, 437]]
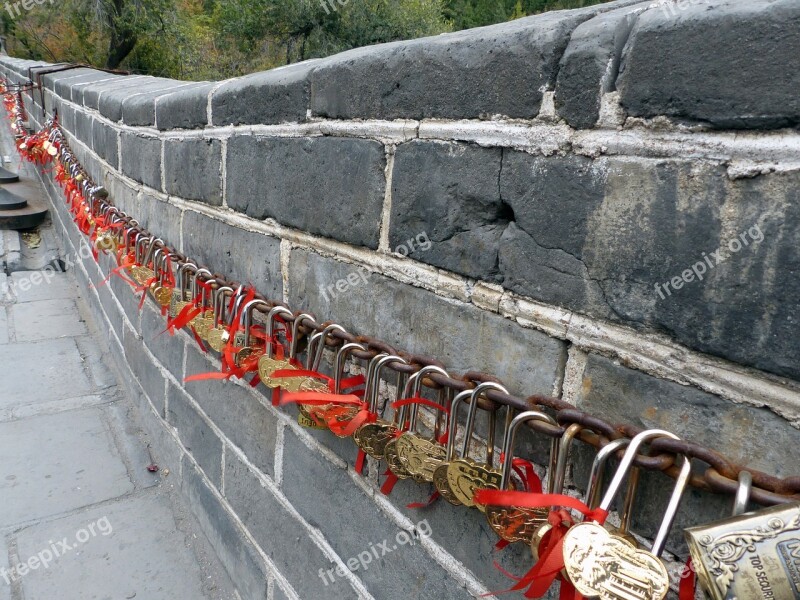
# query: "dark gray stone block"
[[241, 417], [235, 551], [186, 108], [139, 110], [277, 96], [502, 69], [192, 170], [604, 237], [83, 126], [387, 577], [127, 299], [145, 371], [280, 535], [93, 92], [197, 436], [160, 216], [141, 159], [105, 141], [250, 258], [167, 349], [737, 67], [61, 82], [340, 193], [467, 338], [111, 101], [453, 209], [590, 64]]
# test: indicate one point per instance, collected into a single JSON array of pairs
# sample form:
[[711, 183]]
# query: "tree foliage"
[[213, 39]]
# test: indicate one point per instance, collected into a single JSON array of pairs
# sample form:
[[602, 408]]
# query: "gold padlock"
[[267, 364], [440, 474], [217, 335], [181, 295], [750, 555], [411, 453], [465, 475], [338, 413], [593, 490], [515, 524], [605, 565], [373, 438]]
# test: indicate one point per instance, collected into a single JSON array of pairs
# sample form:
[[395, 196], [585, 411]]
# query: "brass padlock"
[[248, 349], [519, 524], [440, 474], [373, 438], [338, 413], [465, 475], [181, 295], [593, 490], [411, 454], [750, 555], [310, 415], [162, 292], [604, 565], [267, 364], [217, 335]]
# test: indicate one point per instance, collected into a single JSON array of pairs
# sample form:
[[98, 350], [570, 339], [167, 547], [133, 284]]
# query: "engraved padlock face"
[[442, 485], [419, 456], [372, 438], [341, 414], [754, 555], [163, 295], [464, 476], [516, 524], [267, 366], [216, 337], [393, 460], [609, 568]]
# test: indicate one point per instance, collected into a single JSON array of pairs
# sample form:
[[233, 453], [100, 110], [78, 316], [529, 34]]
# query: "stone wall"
[[600, 205]]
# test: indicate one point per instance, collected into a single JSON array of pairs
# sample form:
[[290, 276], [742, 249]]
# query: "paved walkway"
[[78, 508]]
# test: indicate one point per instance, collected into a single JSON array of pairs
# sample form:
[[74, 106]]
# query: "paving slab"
[[47, 319], [53, 464], [52, 285], [42, 372], [136, 552]]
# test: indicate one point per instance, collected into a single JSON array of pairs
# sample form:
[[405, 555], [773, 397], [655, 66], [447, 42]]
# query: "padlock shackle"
[[473, 409], [597, 472], [248, 318], [453, 425], [374, 377], [743, 493], [339, 363], [316, 346], [296, 332], [414, 386], [511, 436], [274, 312], [674, 501]]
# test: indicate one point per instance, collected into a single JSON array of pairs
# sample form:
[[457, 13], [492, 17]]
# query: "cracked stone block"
[[453, 216]]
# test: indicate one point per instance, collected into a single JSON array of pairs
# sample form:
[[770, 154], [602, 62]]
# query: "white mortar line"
[[163, 166], [286, 256], [535, 136], [573, 375], [279, 441], [386, 212], [211, 92], [223, 173]]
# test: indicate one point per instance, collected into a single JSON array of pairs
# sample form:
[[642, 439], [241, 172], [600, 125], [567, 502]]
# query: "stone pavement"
[[78, 508]]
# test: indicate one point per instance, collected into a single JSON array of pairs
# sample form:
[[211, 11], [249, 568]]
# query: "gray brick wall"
[[385, 189]]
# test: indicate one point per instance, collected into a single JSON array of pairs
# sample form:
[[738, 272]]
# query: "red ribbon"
[[688, 581]]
